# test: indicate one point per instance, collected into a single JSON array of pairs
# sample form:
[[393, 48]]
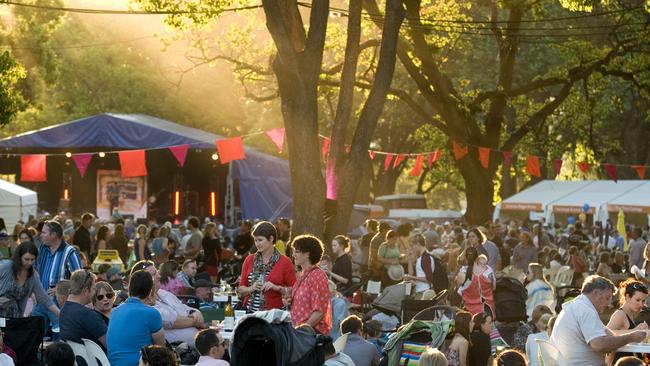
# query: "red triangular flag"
[[640, 170], [82, 161], [417, 168], [372, 154], [507, 157], [532, 166], [557, 166], [389, 159], [180, 153], [484, 156], [325, 148], [277, 136], [583, 166], [230, 149], [611, 170], [459, 150], [398, 160], [132, 163], [32, 168]]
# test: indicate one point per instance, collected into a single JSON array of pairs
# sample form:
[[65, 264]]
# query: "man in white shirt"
[[211, 347], [580, 335]]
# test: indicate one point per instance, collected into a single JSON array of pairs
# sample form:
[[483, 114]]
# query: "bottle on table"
[[229, 314]]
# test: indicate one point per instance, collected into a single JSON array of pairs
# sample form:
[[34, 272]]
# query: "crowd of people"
[[138, 313]]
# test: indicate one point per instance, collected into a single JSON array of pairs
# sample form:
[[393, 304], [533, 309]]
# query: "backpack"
[[510, 300]]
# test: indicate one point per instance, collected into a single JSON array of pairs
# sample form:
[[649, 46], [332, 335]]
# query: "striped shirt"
[[57, 266]]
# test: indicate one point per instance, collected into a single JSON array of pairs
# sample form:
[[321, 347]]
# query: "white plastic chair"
[[562, 277], [548, 354], [339, 343], [95, 353], [79, 351]]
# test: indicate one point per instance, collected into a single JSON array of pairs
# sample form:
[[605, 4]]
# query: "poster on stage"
[[127, 194]]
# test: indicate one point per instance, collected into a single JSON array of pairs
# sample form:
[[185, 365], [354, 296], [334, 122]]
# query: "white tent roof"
[[636, 200], [538, 196], [596, 194], [15, 195]]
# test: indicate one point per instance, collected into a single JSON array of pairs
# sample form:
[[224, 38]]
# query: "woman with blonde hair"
[[540, 292], [432, 357]]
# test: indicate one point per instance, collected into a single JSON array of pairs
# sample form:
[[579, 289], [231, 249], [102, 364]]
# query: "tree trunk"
[[299, 109], [479, 190], [384, 182], [350, 173]]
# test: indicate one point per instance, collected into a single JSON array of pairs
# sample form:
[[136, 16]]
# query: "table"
[[635, 348]]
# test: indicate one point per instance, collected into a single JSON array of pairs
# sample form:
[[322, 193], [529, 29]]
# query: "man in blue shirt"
[[77, 320], [56, 261], [134, 324]]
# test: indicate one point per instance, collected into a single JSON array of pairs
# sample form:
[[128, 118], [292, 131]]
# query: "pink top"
[[311, 293]]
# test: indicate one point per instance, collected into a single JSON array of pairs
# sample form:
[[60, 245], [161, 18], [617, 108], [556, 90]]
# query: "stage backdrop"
[[127, 194]]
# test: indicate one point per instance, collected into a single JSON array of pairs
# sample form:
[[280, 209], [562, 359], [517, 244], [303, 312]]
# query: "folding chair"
[[25, 337]]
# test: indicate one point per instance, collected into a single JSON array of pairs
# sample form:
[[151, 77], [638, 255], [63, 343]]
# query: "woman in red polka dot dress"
[[310, 296]]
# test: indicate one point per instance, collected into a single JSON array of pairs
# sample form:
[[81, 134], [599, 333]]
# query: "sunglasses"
[[108, 296]]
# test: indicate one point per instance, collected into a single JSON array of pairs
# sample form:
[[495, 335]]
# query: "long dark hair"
[[471, 254], [22, 249]]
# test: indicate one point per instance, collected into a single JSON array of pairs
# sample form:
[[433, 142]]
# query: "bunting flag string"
[[33, 166]]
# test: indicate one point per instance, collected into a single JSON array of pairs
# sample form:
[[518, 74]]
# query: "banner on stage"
[[127, 194]]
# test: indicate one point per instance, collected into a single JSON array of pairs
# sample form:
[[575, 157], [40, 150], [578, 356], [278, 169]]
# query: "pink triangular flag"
[[82, 161], [611, 171], [398, 160], [557, 166], [180, 153], [417, 168], [372, 154], [433, 158], [277, 136], [507, 157], [389, 158]]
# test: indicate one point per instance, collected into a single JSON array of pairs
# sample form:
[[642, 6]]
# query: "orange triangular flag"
[[33, 168], [133, 163], [459, 150], [417, 168], [433, 158], [326, 146], [389, 159], [484, 156], [231, 149], [398, 160], [640, 170], [532, 166]]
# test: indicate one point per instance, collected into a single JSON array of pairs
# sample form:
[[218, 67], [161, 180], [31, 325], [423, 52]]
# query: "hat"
[[395, 272], [202, 282]]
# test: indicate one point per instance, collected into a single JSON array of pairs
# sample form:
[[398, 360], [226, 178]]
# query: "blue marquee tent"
[[264, 181]]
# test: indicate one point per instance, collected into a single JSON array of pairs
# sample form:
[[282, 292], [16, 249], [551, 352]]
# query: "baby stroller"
[[257, 342], [405, 347], [393, 301]]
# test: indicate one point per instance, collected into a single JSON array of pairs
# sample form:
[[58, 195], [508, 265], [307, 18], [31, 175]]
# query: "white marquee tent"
[[16, 203], [557, 199]]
